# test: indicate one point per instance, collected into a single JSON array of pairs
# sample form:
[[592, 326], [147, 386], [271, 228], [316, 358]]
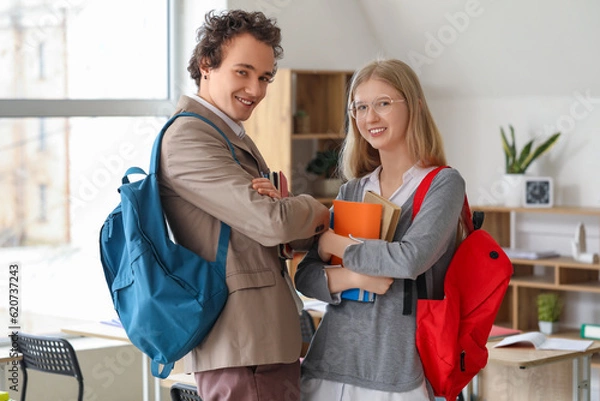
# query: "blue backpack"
[[167, 297]]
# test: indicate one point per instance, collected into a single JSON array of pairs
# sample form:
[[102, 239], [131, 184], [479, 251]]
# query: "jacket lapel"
[[246, 144]]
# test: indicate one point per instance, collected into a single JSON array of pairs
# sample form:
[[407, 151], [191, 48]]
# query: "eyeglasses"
[[382, 105]]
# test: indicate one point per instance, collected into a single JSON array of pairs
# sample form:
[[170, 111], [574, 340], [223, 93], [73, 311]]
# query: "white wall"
[[316, 34], [483, 64]]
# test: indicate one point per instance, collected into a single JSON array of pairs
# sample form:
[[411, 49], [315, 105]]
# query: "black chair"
[[307, 326], [184, 392], [48, 354]]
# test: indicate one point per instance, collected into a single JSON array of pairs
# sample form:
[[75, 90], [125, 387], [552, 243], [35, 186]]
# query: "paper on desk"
[[540, 341], [112, 322]]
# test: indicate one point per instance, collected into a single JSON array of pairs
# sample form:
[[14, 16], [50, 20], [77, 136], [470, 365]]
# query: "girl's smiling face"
[[384, 131]]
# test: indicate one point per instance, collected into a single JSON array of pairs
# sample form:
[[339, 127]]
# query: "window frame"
[[34, 108]]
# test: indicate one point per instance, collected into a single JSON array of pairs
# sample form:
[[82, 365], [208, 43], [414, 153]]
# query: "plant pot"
[[301, 124], [548, 327], [513, 189], [327, 187]]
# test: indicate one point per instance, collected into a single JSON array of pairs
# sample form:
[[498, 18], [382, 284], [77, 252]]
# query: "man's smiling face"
[[241, 81]]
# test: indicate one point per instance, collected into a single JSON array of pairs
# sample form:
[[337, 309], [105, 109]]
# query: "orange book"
[[360, 219]]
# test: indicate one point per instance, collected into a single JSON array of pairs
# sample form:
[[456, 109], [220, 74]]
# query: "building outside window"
[[83, 92]]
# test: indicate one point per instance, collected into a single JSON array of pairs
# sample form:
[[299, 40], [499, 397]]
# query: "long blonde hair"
[[424, 141]]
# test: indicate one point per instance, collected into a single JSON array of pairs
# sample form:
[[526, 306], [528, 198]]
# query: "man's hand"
[[264, 186]]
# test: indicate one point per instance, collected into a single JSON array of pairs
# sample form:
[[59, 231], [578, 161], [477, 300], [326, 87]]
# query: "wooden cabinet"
[[532, 277], [322, 96]]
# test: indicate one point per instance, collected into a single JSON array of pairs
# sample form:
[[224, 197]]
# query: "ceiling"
[[493, 48]]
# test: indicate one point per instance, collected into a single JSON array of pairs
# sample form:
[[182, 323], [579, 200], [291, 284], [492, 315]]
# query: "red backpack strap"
[[423, 188], [419, 196], [422, 191]]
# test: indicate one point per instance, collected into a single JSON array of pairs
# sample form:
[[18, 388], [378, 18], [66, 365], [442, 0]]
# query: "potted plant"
[[301, 122], [324, 165], [549, 305], [517, 162]]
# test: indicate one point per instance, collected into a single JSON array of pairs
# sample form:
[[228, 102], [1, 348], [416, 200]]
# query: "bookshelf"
[[533, 276], [322, 95]]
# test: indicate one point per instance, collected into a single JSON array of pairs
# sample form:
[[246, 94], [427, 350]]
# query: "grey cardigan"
[[372, 345]]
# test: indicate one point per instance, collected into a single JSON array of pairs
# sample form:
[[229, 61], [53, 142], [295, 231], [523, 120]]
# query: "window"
[[83, 92], [43, 212], [41, 59], [42, 136], [93, 49]]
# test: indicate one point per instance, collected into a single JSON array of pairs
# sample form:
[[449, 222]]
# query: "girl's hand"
[[340, 279], [265, 187], [325, 236], [376, 284]]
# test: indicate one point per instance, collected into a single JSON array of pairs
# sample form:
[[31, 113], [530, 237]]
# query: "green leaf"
[[508, 149], [540, 150], [549, 306], [524, 155], [324, 163], [518, 163]]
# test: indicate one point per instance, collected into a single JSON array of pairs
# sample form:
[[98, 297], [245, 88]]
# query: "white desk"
[[102, 330], [524, 373]]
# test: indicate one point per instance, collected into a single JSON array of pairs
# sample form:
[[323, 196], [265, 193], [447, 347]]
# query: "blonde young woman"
[[366, 350]]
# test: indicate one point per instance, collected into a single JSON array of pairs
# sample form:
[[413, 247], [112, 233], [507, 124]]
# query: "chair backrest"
[[184, 392], [307, 325], [48, 354]]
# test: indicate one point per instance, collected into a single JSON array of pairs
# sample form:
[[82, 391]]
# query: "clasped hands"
[[341, 278], [330, 243]]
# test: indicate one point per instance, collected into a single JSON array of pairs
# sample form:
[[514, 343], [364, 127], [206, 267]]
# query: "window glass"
[[71, 181], [83, 49]]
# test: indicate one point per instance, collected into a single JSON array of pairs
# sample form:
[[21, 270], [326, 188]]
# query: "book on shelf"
[[390, 214], [515, 253], [590, 330], [498, 332], [542, 342], [279, 181]]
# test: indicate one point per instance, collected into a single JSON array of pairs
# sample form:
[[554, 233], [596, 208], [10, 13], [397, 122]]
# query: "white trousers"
[[325, 390]]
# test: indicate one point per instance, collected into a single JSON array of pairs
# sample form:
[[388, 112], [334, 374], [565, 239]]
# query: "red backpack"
[[452, 333]]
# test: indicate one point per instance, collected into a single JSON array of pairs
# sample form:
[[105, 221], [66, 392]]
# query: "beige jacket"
[[201, 185]]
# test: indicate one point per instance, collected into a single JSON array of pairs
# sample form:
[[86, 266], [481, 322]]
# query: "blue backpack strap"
[[164, 373], [155, 158], [131, 170], [155, 162]]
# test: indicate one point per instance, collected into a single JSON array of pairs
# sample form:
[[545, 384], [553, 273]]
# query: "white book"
[[529, 254], [540, 341]]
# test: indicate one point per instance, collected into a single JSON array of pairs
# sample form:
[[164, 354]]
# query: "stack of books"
[[374, 218]]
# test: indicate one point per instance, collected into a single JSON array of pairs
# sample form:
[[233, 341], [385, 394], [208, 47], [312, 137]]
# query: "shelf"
[[322, 96], [572, 210], [546, 282], [561, 261], [309, 135], [534, 276]]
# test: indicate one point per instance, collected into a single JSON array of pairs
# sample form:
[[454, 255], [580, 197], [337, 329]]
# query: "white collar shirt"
[[410, 181], [237, 128]]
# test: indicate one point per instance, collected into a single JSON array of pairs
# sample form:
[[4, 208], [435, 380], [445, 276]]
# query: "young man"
[[253, 349]]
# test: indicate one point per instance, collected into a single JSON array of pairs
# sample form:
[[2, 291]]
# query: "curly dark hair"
[[219, 29]]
